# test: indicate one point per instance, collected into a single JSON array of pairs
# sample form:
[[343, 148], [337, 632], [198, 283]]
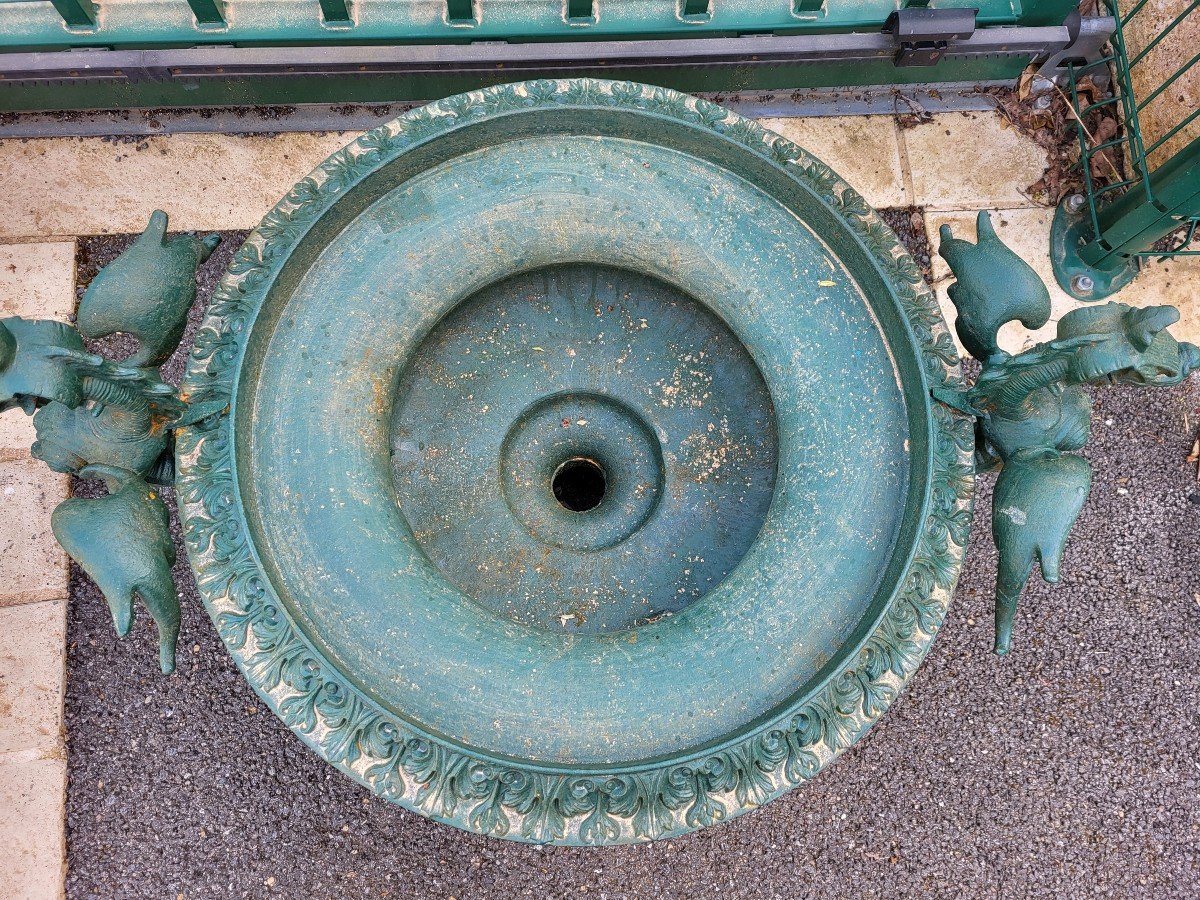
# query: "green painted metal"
[[1032, 410], [171, 24], [592, 364], [146, 292], [336, 12], [114, 421], [386, 88], [1100, 239], [208, 12], [386, 554], [123, 543], [159, 23], [76, 13]]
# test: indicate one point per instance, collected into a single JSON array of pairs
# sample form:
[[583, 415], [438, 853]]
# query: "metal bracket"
[[922, 35], [1088, 36]]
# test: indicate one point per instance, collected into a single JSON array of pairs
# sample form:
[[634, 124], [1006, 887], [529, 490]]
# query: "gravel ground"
[[1071, 768]]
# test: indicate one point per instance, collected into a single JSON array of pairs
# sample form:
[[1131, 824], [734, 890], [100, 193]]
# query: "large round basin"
[[581, 481]]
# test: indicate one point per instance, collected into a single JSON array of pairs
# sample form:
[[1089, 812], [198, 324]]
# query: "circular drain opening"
[[579, 484]]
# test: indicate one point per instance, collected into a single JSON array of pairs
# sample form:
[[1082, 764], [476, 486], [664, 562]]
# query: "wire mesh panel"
[[1152, 208]]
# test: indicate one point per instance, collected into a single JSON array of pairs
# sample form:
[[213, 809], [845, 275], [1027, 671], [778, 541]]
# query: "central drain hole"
[[579, 484]]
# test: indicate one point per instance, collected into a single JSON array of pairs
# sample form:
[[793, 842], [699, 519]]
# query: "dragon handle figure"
[[1031, 409], [114, 421]]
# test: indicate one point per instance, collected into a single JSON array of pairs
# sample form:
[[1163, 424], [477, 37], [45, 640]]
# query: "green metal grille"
[[1150, 210]]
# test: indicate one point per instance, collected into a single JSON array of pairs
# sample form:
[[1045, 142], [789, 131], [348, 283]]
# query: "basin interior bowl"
[[580, 443], [354, 543], [601, 446]]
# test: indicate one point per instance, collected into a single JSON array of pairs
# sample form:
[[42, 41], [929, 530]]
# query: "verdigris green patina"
[[463, 301], [114, 421], [1031, 408], [572, 461]]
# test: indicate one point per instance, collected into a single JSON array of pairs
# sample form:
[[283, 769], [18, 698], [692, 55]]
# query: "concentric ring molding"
[[467, 788]]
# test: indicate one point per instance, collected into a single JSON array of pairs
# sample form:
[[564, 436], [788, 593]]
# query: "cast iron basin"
[[581, 481]]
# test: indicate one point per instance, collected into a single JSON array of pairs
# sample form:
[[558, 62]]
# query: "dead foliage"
[[1050, 122]]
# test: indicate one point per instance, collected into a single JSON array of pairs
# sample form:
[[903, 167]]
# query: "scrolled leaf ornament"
[[1031, 410]]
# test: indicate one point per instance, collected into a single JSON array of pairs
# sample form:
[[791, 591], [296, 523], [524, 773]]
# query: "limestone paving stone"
[[74, 186], [32, 833], [864, 150], [32, 653], [16, 433], [37, 281], [971, 160], [32, 565]]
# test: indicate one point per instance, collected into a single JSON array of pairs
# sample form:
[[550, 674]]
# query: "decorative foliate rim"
[[450, 783]]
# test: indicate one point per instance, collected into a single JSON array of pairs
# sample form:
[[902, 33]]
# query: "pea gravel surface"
[[1069, 769]]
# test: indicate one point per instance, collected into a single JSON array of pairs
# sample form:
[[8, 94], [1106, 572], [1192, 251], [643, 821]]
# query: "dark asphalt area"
[[1069, 769]]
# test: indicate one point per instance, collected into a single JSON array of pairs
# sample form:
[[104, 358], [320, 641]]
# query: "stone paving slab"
[[971, 161], [37, 281], [32, 839], [73, 186], [864, 150], [32, 638], [32, 565]]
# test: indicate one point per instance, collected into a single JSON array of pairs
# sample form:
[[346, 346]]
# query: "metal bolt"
[[1082, 284], [1075, 203], [1042, 102], [1041, 85]]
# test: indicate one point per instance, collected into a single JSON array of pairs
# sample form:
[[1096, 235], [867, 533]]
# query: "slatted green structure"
[[87, 54], [38, 23]]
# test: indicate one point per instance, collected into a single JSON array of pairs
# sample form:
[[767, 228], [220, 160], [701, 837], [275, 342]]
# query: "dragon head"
[[1130, 345], [33, 364]]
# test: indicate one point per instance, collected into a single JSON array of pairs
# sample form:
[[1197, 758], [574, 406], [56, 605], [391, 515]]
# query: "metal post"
[[1129, 225], [208, 12], [76, 13], [1100, 236], [335, 11]]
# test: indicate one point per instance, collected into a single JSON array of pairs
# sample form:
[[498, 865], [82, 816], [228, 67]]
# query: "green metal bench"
[[80, 54]]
